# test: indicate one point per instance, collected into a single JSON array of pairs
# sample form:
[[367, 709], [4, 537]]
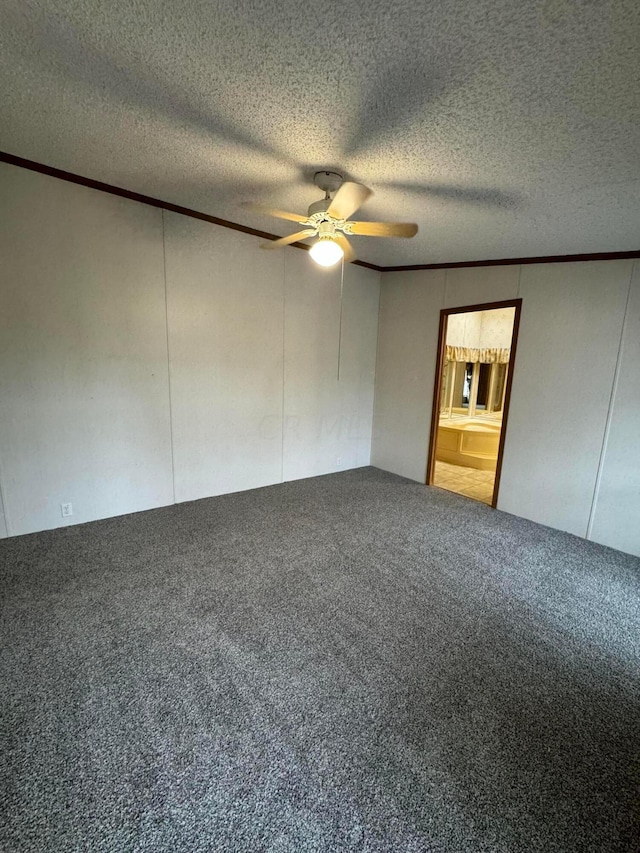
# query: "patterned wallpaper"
[[481, 329]]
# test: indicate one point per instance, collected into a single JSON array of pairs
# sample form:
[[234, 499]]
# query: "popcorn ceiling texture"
[[504, 129]]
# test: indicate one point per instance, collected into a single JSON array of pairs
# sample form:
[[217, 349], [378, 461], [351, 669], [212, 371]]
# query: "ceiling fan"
[[328, 219]]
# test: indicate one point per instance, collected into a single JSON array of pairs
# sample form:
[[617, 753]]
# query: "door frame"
[[435, 412]]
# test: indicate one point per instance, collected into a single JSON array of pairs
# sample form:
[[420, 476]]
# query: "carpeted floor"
[[348, 663]]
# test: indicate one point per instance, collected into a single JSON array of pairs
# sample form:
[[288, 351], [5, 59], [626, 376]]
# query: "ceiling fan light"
[[326, 252]]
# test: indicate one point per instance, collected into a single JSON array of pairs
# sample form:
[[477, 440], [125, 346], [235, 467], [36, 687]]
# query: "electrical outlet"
[[339, 460], [67, 510]]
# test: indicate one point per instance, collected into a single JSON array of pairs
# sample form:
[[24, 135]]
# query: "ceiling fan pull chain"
[[340, 324]]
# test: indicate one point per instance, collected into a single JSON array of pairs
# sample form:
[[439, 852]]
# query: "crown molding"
[[21, 162], [503, 262]]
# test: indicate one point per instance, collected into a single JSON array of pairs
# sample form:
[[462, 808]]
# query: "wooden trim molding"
[[507, 399], [435, 405], [503, 262], [14, 160]]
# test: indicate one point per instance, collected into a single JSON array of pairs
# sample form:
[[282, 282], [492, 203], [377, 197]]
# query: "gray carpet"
[[348, 663]]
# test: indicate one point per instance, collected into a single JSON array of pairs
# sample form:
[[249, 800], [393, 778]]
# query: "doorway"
[[474, 372]]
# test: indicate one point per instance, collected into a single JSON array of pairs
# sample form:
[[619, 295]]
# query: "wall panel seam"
[[3, 504], [375, 375], [166, 323], [444, 289], [612, 397]]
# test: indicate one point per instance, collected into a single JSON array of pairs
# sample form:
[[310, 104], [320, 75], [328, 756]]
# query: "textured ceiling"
[[504, 128]]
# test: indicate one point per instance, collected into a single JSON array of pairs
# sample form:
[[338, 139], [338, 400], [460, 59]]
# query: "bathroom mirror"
[[472, 388]]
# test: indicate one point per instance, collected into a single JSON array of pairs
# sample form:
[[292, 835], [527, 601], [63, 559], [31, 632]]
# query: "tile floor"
[[465, 481]]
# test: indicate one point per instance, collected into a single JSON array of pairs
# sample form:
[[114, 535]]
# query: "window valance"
[[488, 355]]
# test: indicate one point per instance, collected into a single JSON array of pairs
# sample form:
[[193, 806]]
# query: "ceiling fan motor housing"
[[319, 206], [326, 229], [327, 181]]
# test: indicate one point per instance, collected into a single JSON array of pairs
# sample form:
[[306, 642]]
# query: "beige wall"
[[570, 329], [147, 358], [224, 310], [471, 285], [328, 419], [615, 519], [3, 523], [124, 390], [410, 303], [566, 404], [84, 413]]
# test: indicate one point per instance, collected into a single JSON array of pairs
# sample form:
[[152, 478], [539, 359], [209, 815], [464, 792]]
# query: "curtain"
[[488, 355]]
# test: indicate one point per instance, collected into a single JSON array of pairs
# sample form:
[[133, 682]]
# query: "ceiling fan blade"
[[285, 241], [347, 248], [384, 229], [272, 211], [348, 199]]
